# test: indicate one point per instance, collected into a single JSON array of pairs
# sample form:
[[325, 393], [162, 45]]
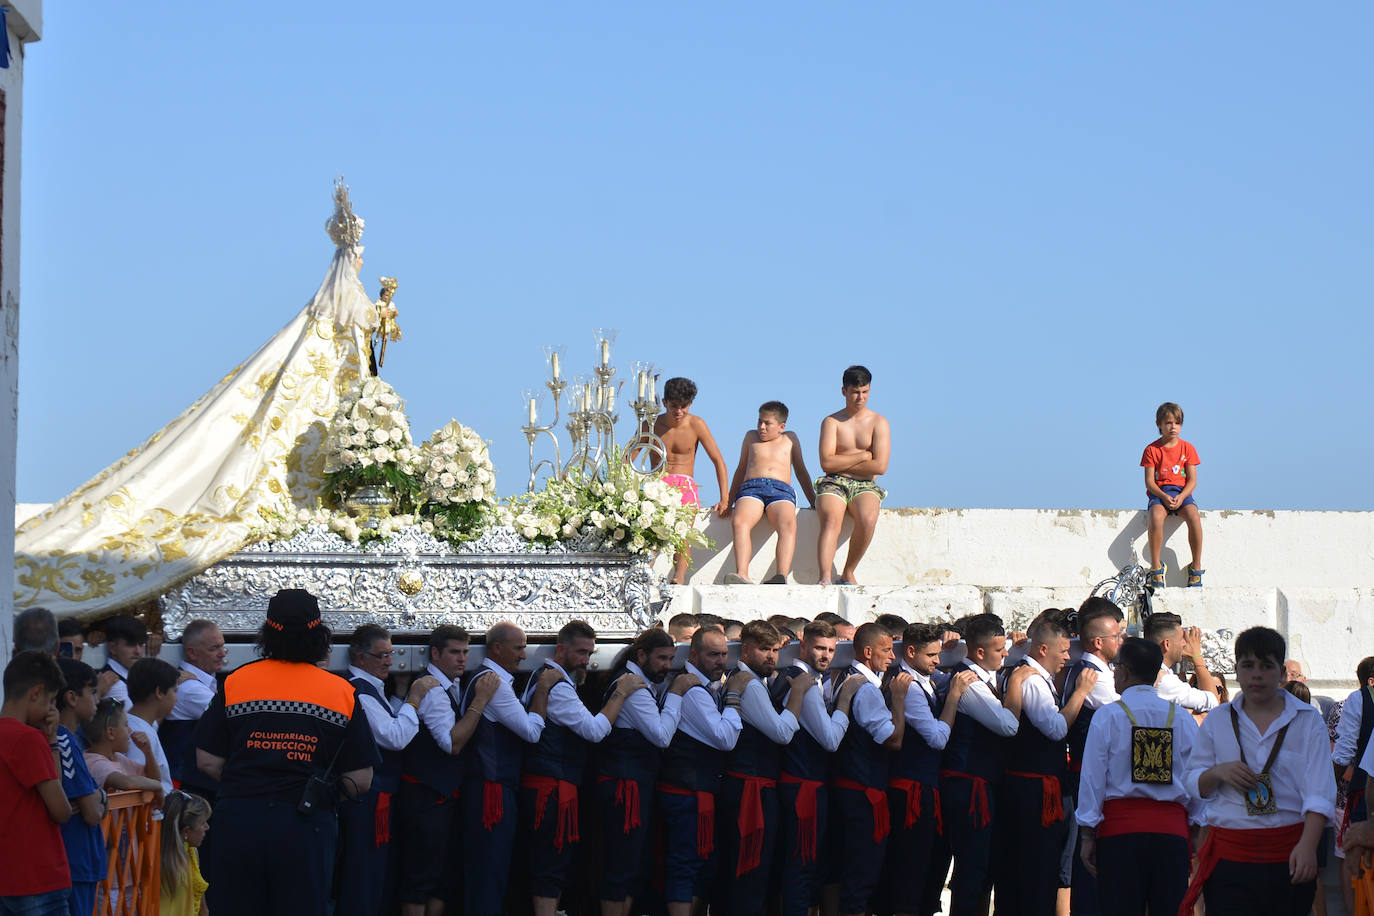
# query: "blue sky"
[[1032, 223]]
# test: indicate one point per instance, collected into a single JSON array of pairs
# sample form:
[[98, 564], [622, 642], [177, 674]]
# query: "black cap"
[[293, 609]]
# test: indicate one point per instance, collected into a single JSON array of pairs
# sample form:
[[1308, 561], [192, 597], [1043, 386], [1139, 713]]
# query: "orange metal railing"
[[133, 841]]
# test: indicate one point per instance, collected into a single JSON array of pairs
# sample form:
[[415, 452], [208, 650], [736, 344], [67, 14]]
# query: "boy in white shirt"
[[1262, 770]]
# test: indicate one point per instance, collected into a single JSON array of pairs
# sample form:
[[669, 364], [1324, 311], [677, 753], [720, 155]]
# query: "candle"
[[553, 362], [605, 352], [643, 383], [533, 412], [587, 396]]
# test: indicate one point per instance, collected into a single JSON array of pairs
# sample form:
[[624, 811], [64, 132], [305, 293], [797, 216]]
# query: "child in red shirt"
[[35, 879], [1170, 477]]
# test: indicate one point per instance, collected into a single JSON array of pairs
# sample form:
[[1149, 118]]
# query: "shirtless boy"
[[681, 433], [763, 486], [855, 447]]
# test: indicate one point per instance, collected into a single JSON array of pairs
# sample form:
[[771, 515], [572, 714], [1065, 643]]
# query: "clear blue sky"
[[1032, 222]]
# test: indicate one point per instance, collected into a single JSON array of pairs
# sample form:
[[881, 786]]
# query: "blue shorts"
[[766, 490], [1172, 491]]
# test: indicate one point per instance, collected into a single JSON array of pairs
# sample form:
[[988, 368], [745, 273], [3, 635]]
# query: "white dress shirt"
[[193, 696], [868, 707], [1107, 756], [1172, 688], [756, 708], [641, 713], [1104, 691], [827, 728], [1348, 729], [436, 709], [918, 712], [982, 704], [393, 733], [567, 709], [504, 707], [703, 721], [1040, 703], [1302, 776], [141, 725], [120, 689]]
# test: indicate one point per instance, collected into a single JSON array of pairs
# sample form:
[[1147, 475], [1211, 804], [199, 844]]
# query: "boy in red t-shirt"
[[1170, 477], [35, 879]]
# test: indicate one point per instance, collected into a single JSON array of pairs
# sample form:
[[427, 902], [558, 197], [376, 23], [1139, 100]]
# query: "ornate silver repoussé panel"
[[414, 582]]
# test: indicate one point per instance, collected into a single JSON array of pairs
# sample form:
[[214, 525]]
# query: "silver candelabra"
[[592, 416]]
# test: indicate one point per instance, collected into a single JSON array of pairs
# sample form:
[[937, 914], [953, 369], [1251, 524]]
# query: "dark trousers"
[[1084, 897], [686, 873], [487, 849], [625, 849], [549, 866], [742, 894], [861, 856], [969, 842], [1027, 852], [917, 857], [362, 868], [428, 840], [799, 880], [271, 860], [1250, 889], [1139, 872]]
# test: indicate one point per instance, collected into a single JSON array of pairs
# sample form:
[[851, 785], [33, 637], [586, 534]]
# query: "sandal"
[[1195, 576], [1156, 579]]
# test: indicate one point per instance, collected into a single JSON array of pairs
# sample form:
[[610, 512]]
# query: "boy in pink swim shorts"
[[681, 432]]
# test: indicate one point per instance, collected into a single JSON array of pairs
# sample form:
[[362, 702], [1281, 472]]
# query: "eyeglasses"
[[380, 655]]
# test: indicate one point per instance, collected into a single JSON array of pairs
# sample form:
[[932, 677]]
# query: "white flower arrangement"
[[370, 431], [457, 483], [626, 511]]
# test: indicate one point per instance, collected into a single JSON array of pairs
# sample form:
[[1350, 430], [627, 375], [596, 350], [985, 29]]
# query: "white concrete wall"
[[24, 21], [1310, 575]]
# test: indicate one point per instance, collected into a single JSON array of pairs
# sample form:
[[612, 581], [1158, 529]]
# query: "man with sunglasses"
[[365, 826]]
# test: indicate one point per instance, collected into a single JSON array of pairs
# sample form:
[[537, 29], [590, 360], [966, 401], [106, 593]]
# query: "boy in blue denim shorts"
[[1170, 477], [763, 486]]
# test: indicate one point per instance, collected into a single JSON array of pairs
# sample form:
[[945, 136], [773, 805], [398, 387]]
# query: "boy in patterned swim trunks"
[[763, 486], [855, 447], [682, 432]]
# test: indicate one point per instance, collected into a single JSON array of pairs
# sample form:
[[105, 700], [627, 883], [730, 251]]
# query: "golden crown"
[[345, 227]]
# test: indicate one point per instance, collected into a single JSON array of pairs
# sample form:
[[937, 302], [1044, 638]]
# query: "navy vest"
[[497, 749], [425, 762], [689, 764], [1078, 732], [560, 752], [755, 754], [625, 753], [803, 757], [387, 777], [1030, 750], [1366, 725], [860, 758], [916, 759], [972, 749]]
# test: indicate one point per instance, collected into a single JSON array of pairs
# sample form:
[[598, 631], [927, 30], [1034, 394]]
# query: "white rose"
[[629, 496], [478, 494], [360, 425], [448, 448], [380, 435], [483, 476], [680, 528], [379, 411], [569, 530], [461, 476], [380, 454], [397, 435], [618, 534], [389, 400], [644, 521], [368, 403], [576, 521], [530, 532], [446, 480]]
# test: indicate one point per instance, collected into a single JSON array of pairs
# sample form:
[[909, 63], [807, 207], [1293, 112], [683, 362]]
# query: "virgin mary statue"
[[201, 487]]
